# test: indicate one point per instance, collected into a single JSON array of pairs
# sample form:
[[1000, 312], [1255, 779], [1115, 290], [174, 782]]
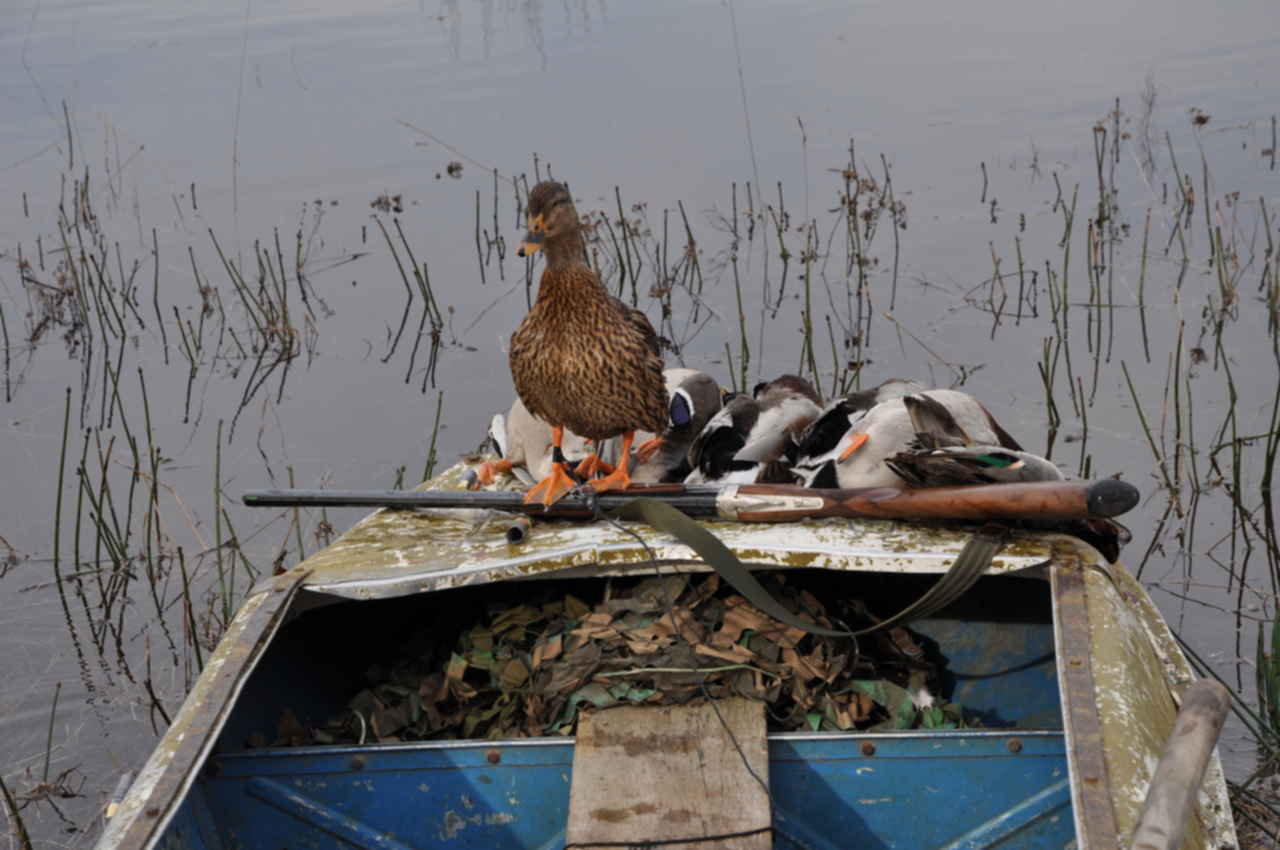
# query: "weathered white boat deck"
[[395, 552]]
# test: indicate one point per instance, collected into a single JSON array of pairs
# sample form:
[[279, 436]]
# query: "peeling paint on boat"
[[453, 824], [1139, 674], [194, 728]]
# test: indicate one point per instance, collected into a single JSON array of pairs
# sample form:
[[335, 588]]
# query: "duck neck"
[[565, 249]]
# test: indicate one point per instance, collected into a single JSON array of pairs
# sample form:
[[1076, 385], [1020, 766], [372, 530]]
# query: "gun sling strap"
[[968, 567]]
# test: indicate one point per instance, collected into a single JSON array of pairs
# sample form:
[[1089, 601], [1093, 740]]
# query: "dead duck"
[[832, 437], [943, 453], [582, 359], [523, 441], [694, 397], [524, 448], [971, 464], [927, 438], [748, 439]]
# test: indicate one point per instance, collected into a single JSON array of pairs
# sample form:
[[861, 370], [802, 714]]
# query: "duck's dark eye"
[[552, 208]]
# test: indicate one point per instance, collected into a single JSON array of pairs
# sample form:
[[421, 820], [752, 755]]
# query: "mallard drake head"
[[693, 398], [692, 402], [552, 217]]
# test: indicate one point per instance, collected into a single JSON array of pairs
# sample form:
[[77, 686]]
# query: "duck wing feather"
[[777, 426], [713, 451]]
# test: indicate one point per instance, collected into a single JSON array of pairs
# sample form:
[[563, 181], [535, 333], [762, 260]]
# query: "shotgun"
[[1039, 500]]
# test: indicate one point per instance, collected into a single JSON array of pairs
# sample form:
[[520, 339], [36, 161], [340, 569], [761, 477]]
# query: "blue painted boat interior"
[[1001, 785]]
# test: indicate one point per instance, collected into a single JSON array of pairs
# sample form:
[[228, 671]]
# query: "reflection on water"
[[459, 21], [1104, 278]]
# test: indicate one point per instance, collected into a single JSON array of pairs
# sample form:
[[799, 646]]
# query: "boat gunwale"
[[428, 581], [1090, 784], [170, 771]]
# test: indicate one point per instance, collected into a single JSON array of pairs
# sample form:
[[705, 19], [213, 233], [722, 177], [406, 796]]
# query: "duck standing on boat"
[[747, 441], [582, 359]]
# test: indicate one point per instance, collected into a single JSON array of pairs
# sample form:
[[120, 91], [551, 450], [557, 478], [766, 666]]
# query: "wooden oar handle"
[[1051, 500]]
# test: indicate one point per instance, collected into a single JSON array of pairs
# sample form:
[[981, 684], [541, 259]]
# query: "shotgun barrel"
[[1039, 500]]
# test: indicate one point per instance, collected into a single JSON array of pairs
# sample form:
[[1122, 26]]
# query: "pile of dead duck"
[[896, 434]]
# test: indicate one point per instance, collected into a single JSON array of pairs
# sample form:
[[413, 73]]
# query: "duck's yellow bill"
[[531, 245], [854, 445]]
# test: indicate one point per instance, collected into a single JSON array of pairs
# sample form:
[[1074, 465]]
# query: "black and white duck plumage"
[[831, 436], [918, 437], [747, 441]]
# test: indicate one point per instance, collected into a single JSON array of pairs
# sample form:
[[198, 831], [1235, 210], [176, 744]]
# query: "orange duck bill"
[[535, 239]]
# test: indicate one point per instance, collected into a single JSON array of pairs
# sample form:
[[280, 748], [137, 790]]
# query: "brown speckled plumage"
[[581, 358]]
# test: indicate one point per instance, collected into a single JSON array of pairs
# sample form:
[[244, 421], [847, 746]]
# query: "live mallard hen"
[[582, 359], [524, 447]]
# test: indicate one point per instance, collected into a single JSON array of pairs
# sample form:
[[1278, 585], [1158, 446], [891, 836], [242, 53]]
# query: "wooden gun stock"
[[1049, 500]]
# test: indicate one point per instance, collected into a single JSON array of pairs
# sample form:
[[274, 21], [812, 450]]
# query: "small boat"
[[1073, 672]]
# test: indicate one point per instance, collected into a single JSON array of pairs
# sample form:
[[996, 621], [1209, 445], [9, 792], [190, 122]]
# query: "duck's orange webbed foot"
[[648, 449], [854, 444], [591, 466], [552, 488], [487, 472], [618, 479]]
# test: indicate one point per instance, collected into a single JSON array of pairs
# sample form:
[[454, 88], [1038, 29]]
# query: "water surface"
[[292, 117]]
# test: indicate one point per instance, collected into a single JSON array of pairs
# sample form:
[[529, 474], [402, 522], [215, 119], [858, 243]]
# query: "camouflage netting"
[[525, 669]]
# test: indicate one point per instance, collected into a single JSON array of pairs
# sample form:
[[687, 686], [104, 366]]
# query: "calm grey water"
[[294, 116]]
